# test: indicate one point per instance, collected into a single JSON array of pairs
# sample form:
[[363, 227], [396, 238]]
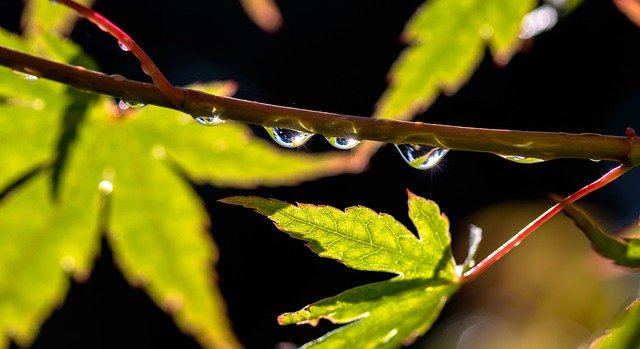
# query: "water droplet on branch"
[[26, 76], [122, 46], [522, 159], [342, 143], [124, 105], [288, 138], [420, 156], [210, 120]]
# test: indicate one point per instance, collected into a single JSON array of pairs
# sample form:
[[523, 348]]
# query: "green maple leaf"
[[74, 166], [447, 41], [384, 314], [624, 333]]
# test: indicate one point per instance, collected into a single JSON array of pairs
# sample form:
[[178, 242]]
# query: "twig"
[[543, 145], [127, 43]]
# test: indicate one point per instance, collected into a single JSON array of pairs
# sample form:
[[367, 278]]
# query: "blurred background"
[[333, 55]]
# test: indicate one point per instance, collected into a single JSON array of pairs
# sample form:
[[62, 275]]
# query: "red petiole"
[[173, 94], [531, 227]]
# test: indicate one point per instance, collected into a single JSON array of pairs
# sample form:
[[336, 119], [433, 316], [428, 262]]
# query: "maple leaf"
[[383, 314], [447, 41], [74, 166]]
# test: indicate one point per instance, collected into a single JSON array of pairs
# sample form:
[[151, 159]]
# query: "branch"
[[543, 145]]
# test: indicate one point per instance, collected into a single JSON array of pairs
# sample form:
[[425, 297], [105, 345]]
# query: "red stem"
[[173, 94], [531, 227]]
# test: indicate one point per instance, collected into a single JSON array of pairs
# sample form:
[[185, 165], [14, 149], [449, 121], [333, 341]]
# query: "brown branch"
[[543, 145]]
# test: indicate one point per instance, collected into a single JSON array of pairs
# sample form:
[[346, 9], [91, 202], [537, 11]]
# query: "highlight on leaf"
[[383, 314]]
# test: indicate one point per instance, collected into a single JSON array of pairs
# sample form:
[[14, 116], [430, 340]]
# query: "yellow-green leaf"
[[384, 314], [41, 242], [624, 333], [447, 41], [45, 16]]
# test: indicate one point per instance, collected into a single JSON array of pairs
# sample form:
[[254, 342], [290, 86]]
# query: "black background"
[[333, 55]]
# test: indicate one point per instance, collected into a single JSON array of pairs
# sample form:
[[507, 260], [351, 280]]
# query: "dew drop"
[[26, 76], [522, 159], [118, 77], [421, 157], [342, 143], [288, 138], [105, 187], [210, 120], [134, 104], [122, 46]]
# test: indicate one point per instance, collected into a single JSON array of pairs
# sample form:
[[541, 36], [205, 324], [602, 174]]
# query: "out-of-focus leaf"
[[624, 333], [631, 8], [384, 314], [625, 253], [447, 41], [42, 241], [264, 13], [45, 16]]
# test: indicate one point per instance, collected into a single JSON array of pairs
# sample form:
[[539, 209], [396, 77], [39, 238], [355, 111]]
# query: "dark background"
[[333, 55]]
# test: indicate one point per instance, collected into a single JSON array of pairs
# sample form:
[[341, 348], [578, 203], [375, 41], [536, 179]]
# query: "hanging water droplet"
[[288, 138], [130, 104], [522, 159], [26, 76], [211, 120], [122, 46], [420, 156], [342, 143]]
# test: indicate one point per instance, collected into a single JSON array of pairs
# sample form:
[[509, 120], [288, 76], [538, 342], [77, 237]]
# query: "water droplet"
[[26, 76], [211, 120], [421, 157], [288, 138], [122, 46], [342, 143], [595, 160], [522, 159], [130, 104], [105, 187], [68, 263], [118, 78]]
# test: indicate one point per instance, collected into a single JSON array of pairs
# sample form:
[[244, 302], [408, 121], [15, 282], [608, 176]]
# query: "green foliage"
[[447, 42], [622, 252], [74, 166], [384, 314], [624, 333]]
